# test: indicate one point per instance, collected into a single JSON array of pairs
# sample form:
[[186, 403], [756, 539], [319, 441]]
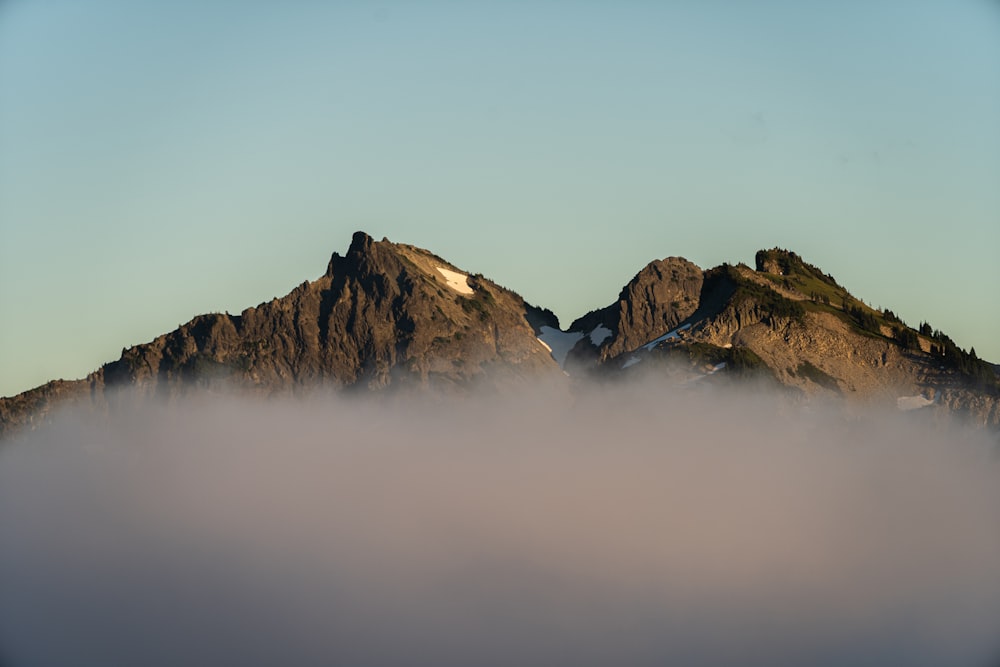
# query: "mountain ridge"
[[797, 325], [392, 316]]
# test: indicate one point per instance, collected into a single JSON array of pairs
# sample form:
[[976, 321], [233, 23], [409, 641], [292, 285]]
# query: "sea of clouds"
[[633, 526]]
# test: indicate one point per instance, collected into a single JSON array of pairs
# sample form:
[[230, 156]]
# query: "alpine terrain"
[[389, 317]]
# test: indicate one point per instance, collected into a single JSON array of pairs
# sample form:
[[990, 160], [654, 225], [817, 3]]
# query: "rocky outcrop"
[[657, 299], [977, 407], [31, 408]]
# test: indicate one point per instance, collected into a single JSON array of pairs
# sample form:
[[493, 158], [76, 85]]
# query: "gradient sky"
[[160, 160]]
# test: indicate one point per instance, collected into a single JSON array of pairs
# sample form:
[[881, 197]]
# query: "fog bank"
[[634, 527]]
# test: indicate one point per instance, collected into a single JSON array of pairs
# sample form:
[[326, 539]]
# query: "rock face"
[[30, 408], [382, 317], [657, 299]]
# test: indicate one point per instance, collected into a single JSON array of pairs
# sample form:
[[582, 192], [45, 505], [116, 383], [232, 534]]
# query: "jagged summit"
[[363, 252], [361, 241]]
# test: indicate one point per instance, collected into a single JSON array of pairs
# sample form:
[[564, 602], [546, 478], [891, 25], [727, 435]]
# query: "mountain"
[[385, 315], [785, 322], [392, 317]]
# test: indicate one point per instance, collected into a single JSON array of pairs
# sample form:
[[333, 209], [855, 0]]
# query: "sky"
[[161, 160]]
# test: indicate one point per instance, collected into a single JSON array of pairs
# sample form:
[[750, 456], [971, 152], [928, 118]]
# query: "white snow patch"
[[667, 336], [907, 403], [631, 362], [718, 367], [559, 342], [457, 281], [600, 334]]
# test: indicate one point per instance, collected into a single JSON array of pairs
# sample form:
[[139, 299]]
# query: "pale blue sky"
[[159, 160]]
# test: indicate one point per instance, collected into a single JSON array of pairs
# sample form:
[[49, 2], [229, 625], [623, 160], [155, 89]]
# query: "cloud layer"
[[631, 527]]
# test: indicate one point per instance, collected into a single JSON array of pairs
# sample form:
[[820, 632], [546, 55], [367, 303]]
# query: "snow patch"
[[600, 334], [718, 367], [907, 403], [457, 281], [559, 342], [631, 362], [667, 336]]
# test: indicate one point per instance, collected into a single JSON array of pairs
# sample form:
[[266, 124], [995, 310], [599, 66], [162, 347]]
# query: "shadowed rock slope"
[[384, 316]]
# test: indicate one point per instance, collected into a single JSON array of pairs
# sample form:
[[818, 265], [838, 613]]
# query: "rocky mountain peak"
[[777, 261], [360, 243], [660, 296], [383, 316], [364, 256], [781, 262]]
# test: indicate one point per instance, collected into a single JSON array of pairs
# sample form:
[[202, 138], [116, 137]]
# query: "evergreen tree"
[[907, 338]]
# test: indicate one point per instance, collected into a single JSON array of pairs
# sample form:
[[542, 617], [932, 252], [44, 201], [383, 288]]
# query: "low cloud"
[[624, 527]]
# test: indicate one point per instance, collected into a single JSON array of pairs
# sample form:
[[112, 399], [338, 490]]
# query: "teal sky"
[[160, 160]]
